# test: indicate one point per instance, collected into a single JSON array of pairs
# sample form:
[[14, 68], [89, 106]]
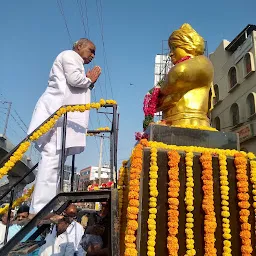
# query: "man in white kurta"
[[67, 85]]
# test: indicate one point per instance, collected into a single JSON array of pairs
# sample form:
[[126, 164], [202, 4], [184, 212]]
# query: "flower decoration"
[[252, 157], [173, 201], [149, 106], [99, 129], [133, 197], [153, 192], [122, 173], [243, 197], [189, 201], [44, 128], [18, 201], [225, 205], [208, 204]]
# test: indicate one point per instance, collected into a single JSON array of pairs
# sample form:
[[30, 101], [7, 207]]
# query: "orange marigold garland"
[[173, 201], [208, 205], [189, 201], [153, 192], [133, 197], [252, 157], [244, 205], [225, 213]]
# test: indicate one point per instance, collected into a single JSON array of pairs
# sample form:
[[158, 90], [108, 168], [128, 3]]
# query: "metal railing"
[[113, 157]]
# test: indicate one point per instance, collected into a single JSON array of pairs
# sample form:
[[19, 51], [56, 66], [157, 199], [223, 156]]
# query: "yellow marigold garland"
[[225, 213], [122, 173], [18, 201], [200, 127], [173, 201], [18, 154], [251, 156], [133, 197], [208, 205], [99, 129], [153, 193], [244, 205], [189, 201]]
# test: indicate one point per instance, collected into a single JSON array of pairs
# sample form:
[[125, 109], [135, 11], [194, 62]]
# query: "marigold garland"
[[208, 205], [243, 197], [99, 129], [189, 201], [153, 192], [133, 197], [18, 154], [225, 213], [204, 128], [122, 173], [173, 201], [252, 157], [18, 201]]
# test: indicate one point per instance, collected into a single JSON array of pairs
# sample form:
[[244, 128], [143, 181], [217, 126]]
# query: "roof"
[[240, 38]]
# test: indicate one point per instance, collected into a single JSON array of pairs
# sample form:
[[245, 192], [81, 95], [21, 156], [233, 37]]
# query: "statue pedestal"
[[162, 207], [192, 137]]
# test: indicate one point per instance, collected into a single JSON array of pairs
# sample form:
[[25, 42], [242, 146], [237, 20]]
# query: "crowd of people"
[[73, 233]]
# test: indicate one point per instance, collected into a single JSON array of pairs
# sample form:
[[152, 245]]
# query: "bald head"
[[71, 211], [85, 48]]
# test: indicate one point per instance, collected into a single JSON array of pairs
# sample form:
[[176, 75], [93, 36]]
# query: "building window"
[[217, 94], [247, 63], [217, 123], [251, 104], [234, 114], [232, 77]]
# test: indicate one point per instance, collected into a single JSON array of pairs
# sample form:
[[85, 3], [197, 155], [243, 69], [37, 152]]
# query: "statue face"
[[177, 53]]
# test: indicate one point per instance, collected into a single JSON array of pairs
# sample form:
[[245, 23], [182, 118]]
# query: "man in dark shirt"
[[99, 225]]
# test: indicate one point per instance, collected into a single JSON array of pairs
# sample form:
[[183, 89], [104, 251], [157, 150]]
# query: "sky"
[[33, 33]]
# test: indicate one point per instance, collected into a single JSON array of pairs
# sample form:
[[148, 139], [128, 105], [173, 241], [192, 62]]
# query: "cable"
[[82, 15], [99, 12], [65, 21]]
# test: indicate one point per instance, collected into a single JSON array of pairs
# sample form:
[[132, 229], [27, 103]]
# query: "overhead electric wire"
[[99, 12], [65, 21], [82, 15]]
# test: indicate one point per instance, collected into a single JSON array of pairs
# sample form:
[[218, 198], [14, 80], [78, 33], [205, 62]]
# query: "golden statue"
[[184, 95]]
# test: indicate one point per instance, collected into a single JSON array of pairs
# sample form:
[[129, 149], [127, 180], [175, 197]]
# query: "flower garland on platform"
[[251, 156], [133, 197], [153, 192], [120, 183], [99, 129], [204, 128], [173, 201], [244, 205], [225, 213], [18, 154], [189, 201], [18, 201], [208, 205]]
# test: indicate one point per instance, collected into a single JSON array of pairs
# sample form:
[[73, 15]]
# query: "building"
[[163, 65], [90, 174], [235, 87]]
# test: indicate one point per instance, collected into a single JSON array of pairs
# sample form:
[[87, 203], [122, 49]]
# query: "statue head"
[[185, 42]]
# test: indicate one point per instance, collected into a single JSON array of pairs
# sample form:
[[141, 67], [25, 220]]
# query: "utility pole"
[[100, 158], [7, 116]]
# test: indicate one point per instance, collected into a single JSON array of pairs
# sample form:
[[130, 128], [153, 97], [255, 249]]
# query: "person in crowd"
[[3, 224]]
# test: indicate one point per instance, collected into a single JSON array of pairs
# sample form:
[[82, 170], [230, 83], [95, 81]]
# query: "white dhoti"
[[68, 85]]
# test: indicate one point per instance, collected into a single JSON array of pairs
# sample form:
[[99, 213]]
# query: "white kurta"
[[67, 85], [65, 244], [75, 233]]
